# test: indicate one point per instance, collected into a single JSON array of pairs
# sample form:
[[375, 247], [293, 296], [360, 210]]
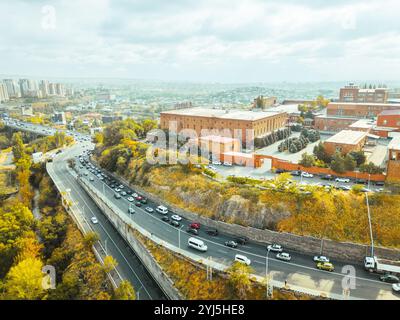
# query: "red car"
[[195, 225], [139, 198]]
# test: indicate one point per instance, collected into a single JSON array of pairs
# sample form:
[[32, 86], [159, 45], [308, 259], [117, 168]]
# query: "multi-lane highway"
[[300, 271]]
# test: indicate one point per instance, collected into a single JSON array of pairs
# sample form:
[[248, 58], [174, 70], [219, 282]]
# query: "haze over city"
[[208, 41]]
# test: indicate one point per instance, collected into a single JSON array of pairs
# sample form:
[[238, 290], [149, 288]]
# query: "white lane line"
[[77, 191]]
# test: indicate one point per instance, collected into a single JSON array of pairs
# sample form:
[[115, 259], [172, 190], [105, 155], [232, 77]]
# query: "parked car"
[[144, 201], [94, 220], [275, 247], [307, 175], [162, 210], [212, 232], [91, 179], [174, 223], [328, 177], [279, 171], [396, 287], [389, 278], [149, 210], [361, 181], [342, 180], [241, 240], [195, 225], [231, 244], [242, 259], [131, 210], [227, 164], [176, 217], [327, 266], [296, 173], [380, 183], [138, 204], [284, 256], [165, 219], [216, 163], [117, 196], [123, 193], [321, 259], [130, 199], [192, 231]]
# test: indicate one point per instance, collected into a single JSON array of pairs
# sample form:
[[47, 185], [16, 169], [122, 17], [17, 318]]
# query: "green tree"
[[239, 279], [18, 146], [349, 163], [124, 291], [337, 163], [359, 156], [307, 160]]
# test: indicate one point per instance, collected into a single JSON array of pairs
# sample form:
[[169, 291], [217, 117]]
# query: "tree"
[[371, 168], [239, 279], [90, 239], [321, 154], [337, 163], [359, 156], [307, 160], [124, 291], [109, 264], [24, 281], [349, 163], [18, 146]]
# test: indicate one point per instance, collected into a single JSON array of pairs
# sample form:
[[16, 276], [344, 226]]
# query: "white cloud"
[[151, 38]]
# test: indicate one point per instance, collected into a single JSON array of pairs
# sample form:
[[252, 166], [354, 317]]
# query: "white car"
[[216, 163], [242, 259], [162, 210], [94, 220], [344, 180], [149, 210], [321, 259], [131, 210], [307, 175], [284, 256], [212, 168], [396, 287], [130, 199], [227, 164], [176, 217], [275, 248]]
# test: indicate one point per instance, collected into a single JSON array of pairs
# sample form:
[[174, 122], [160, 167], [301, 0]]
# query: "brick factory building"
[[352, 93], [260, 123], [332, 124], [359, 110], [393, 167], [346, 141], [216, 145]]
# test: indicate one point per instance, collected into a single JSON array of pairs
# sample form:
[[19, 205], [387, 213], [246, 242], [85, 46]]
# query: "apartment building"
[[3, 93], [256, 124]]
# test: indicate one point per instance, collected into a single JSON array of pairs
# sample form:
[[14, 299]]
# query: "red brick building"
[[352, 93], [346, 141], [393, 168], [359, 110]]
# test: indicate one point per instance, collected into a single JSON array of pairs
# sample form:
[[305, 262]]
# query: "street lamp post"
[[266, 271], [370, 225]]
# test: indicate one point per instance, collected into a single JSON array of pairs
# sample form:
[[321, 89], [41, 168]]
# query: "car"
[[144, 201], [326, 266], [216, 163], [284, 256], [138, 198], [91, 179], [212, 168], [307, 175], [212, 232], [94, 220], [360, 181], [296, 173], [192, 231], [396, 287], [195, 225], [129, 192], [121, 186], [328, 177], [176, 217], [162, 210], [231, 244], [123, 193], [321, 259], [342, 180], [390, 278], [280, 171], [366, 190], [380, 184], [275, 248], [149, 210], [345, 188], [86, 173], [242, 259], [80, 167], [117, 190], [165, 219], [130, 199], [241, 240], [117, 196], [175, 223], [131, 210], [227, 164], [138, 204]]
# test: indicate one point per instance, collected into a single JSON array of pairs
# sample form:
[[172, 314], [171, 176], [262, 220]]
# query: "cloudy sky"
[[202, 40]]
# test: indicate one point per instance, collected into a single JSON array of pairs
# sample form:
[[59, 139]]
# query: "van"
[[197, 244], [161, 209], [242, 259]]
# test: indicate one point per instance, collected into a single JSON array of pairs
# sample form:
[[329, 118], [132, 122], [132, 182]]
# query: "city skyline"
[[243, 42]]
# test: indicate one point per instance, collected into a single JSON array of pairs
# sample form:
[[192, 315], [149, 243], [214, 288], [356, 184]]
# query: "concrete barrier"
[[126, 227]]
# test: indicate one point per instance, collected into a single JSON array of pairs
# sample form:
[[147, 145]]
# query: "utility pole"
[[266, 273]]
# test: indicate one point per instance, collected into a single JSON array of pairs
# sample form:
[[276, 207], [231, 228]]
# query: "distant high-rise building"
[[3, 93], [59, 118], [60, 89], [44, 88], [13, 88], [29, 88]]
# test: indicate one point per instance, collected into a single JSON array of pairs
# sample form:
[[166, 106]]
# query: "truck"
[[378, 265]]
